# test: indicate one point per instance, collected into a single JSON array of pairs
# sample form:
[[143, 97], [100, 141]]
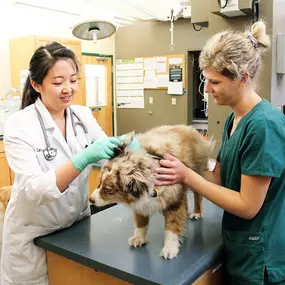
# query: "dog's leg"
[[139, 237], [175, 222], [198, 207]]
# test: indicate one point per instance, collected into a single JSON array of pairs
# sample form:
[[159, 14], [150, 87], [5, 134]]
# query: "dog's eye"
[[108, 190], [107, 168]]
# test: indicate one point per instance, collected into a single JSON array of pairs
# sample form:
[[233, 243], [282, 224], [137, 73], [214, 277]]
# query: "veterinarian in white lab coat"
[[48, 147], [248, 181]]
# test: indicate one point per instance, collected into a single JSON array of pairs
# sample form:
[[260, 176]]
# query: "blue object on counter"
[[101, 242]]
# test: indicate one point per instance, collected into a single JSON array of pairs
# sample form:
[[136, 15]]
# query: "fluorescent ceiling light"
[[23, 4]]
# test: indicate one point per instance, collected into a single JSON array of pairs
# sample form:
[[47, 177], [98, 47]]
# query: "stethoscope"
[[51, 152]]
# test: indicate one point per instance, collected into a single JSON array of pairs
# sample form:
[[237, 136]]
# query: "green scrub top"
[[257, 147]]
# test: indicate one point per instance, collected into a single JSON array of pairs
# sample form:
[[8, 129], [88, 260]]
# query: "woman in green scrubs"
[[248, 181]]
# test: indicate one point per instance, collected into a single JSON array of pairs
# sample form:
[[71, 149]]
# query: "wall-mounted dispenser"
[[232, 8], [200, 12], [280, 53]]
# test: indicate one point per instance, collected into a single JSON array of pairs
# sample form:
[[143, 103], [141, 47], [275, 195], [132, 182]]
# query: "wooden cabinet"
[[22, 49], [76, 273], [79, 274], [214, 276], [94, 179], [5, 173]]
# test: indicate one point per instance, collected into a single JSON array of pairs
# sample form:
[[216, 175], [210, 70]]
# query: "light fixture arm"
[[94, 32], [171, 30]]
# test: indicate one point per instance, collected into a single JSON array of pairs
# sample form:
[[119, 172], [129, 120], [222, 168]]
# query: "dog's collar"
[[155, 192]]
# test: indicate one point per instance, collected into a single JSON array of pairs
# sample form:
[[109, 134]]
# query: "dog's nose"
[[91, 200]]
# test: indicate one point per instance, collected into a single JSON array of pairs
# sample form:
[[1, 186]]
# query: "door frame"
[[112, 83]]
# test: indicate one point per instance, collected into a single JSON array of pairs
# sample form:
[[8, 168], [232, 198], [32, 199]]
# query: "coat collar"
[[49, 123], [51, 127]]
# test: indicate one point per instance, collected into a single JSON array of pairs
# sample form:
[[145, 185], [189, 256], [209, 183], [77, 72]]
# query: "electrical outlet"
[[173, 101]]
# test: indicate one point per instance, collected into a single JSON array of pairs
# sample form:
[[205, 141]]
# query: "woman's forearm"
[[65, 175], [212, 177], [225, 198]]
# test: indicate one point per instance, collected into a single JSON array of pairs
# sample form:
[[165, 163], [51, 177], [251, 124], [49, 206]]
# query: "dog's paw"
[[137, 241], [195, 216], [169, 252]]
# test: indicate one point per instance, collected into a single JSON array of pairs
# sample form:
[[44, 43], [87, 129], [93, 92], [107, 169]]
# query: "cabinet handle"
[[94, 109], [217, 268]]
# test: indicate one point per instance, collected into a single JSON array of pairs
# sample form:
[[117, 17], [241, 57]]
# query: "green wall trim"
[[97, 54]]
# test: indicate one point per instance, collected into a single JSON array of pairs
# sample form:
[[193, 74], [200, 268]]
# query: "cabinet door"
[[39, 41], [214, 276], [75, 46], [94, 180], [5, 171], [21, 51]]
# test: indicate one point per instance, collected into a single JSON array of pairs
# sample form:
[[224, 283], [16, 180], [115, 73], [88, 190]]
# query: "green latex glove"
[[101, 149], [135, 144]]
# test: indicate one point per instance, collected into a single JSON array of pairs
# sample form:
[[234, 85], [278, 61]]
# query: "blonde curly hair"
[[233, 53]]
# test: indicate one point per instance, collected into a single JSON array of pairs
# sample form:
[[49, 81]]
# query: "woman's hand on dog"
[[172, 171]]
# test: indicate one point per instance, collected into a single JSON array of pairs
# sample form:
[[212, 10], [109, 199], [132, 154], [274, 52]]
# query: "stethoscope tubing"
[[49, 152]]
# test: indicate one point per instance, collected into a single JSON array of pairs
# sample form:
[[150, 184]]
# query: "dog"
[[129, 178]]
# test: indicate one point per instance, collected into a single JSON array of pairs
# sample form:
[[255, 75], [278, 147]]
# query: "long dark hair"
[[41, 62]]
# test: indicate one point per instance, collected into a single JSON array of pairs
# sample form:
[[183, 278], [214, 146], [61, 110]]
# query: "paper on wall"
[[129, 86], [129, 73], [130, 102], [149, 63], [136, 79], [129, 79], [175, 88], [175, 85], [130, 93], [96, 89], [129, 66], [162, 80], [160, 64], [149, 78]]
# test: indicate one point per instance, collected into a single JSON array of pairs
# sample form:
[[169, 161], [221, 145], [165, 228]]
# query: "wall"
[[152, 39], [39, 22], [278, 80], [4, 52]]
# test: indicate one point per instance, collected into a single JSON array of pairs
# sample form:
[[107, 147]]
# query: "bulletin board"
[[159, 73], [135, 75]]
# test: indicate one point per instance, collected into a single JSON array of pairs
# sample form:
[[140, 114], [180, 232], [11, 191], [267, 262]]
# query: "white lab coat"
[[37, 207]]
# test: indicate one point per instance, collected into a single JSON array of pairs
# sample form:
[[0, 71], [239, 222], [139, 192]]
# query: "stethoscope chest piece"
[[50, 153]]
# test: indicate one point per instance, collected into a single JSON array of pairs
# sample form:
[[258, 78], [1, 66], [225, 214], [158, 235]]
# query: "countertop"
[[101, 242]]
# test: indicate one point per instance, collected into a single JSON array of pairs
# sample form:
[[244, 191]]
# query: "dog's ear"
[[125, 142], [128, 138]]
